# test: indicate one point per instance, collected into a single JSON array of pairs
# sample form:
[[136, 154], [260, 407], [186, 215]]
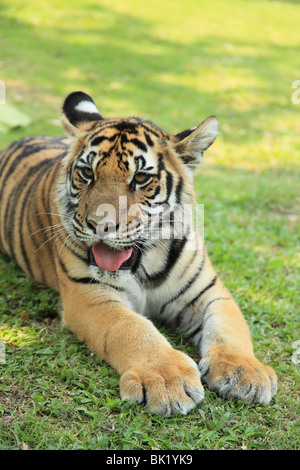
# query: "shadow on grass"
[[130, 68]]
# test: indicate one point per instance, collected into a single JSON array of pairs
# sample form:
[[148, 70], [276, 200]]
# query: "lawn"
[[175, 63]]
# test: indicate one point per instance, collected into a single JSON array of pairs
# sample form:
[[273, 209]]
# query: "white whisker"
[[56, 234], [50, 227]]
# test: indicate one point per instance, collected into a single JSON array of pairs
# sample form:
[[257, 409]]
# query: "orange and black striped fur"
[[112, 283]]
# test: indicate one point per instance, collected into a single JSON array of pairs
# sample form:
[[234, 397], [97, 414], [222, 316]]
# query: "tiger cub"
[[99, 216]]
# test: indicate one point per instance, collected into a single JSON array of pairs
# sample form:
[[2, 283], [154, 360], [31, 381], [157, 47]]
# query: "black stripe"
[[179, 190], [71, 167], [102, 125], [189, 261], [161, 165], [7, 153], [70, 206], [74, 189], [156, 192], [78, 230], [14, 163], [13, 200], [139, 144], [140, 160], [48, 180], [148, 139], [169, 185], [188, 284], [82, 280], [211, 301], [117, 288], [29, 149], [128, 126], [194, 300], [90, 157], [182, 135], [211, 284], [75, 253], [125, 125], [77, 221], [37, 245], [203, 320], [152, 128], [51, 184], [86, 280], [122, 163], [195, 332], [98, 140], [25, 205], [174, 253], [47, 205]]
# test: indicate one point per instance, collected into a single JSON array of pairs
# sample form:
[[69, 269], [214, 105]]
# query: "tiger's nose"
[[102, 230]]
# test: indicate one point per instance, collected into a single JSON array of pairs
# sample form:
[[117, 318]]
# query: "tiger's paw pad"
[[167, 389], [238, 377]]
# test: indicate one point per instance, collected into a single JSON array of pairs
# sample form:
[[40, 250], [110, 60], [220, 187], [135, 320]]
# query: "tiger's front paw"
[[239, 377], [169, 387]]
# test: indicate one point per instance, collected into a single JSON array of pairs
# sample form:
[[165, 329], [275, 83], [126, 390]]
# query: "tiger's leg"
[[151, 370], [228, 364]]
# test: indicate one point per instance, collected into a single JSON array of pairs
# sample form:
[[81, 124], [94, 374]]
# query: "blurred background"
[[173, 62]]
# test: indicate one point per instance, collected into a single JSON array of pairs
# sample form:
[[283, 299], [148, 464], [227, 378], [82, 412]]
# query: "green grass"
[[174, 63]]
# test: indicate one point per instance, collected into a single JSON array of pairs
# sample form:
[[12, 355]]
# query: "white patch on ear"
[[87, 107], [212, 127]]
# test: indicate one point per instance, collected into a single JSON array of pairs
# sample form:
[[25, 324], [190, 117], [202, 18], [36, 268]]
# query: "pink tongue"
[[108, 258]]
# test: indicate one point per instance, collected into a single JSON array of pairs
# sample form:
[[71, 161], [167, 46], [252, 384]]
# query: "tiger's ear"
[[191, 144], [79, 114]]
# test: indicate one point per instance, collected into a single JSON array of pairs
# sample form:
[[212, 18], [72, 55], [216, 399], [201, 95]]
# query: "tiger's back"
[[28, 171]]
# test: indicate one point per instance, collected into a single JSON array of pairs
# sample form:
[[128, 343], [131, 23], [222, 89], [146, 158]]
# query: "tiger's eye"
[[87, 172], [141, 178]]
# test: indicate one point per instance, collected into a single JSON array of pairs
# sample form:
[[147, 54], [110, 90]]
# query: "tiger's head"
[[122, 176]]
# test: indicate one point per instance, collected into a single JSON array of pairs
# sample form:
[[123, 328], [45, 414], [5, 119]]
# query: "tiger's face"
[[123, 178]]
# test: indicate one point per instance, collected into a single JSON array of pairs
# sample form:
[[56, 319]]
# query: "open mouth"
[[111, 259]]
